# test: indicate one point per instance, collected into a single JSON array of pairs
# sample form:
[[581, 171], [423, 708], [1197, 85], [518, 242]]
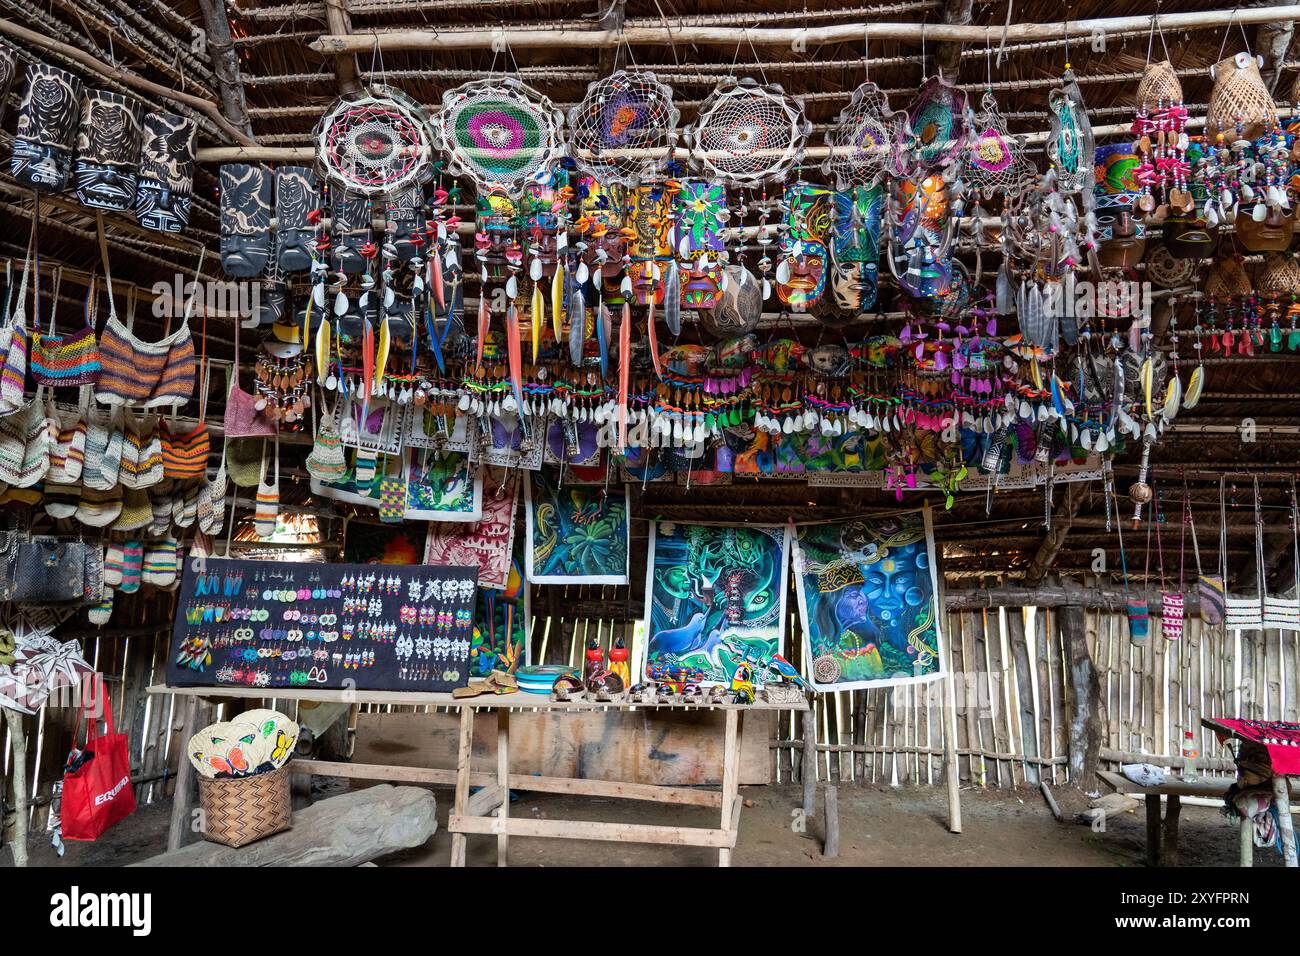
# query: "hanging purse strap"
[[57, 281], [20, 306], [108, 271]]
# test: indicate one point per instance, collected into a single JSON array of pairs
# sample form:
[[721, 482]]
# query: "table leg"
[[183, 795], [1153, 829], [730, 777], [503, 780], [1247, 842], [1282, 800], [463, 760], [1173, 807]]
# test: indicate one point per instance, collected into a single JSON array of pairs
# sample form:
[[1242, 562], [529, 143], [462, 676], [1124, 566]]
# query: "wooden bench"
[[1162, 835]]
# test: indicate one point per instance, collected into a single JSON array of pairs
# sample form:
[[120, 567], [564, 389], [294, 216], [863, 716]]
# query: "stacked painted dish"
[[539, 678]]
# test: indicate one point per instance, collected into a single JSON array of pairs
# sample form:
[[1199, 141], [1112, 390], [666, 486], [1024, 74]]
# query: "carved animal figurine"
[[594, 670], [742, 685], [618, 661]]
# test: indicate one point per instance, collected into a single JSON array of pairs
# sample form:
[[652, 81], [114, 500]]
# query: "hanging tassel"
[[624, 368], [484, 317], [539, 318], [653, 337]]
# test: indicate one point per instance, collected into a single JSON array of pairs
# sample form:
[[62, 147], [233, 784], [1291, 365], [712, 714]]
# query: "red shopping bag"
[[97, 793]]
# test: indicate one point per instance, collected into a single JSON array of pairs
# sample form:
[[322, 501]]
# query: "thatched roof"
[[286, 85]]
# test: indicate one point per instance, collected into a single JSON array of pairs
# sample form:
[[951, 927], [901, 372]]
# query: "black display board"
[[289, 624]]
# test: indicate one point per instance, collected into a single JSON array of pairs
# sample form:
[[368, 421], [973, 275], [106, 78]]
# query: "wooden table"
[[1281, 800], [1162, 835], [488, 810]]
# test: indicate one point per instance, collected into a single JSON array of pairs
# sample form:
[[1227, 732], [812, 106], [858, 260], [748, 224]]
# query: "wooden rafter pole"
[[1054, 540], [948, 57], [127, 78], [225, 64], [787, 36], [339, 21]]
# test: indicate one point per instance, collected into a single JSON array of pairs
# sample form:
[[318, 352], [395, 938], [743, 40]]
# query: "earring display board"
[[359, 626]]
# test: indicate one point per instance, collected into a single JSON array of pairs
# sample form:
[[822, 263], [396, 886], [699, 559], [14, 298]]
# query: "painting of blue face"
[[866, 593]]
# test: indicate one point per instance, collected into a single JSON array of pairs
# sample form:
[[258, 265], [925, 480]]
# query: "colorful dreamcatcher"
[[747, 133], [499, 132], [624, 129], [861, 140], [995, 162], [375, 143], [1069, 144], [937, 123]]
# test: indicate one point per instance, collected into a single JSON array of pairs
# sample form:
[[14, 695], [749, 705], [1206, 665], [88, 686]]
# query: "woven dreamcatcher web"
[[747, 133], [1069, 144], [375, 143], [937, 118], [995, 162], [862, 139], [499, 132], [624, 128]]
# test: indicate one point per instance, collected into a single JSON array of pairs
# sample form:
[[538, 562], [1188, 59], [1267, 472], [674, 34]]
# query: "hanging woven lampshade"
[[1279, 275], [1239, 94], [1228, 278], [1159, 83]]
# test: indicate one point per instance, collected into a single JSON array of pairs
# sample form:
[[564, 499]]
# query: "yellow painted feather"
[[557, 304], [381, 352], [1147, 376], [539, 318]]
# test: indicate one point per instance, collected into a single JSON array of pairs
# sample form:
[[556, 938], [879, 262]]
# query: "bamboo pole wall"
[[1013, 703]]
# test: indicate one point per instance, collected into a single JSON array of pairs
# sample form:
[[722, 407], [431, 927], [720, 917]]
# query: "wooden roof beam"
[[430, 39]]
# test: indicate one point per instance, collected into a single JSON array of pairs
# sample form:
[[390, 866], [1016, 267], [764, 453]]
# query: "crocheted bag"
[[67, 359], [326, 462], [268, 498], [13, 342]]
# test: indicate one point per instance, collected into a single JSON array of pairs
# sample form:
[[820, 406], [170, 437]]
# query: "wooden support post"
[[1286, 828], [1024, 691], [463, 759], [808, 766], [1173, 807], [730, 777], [18, 744], [831, 847], [1085, 695], [1062, 519], [225, 64], [183, 796], [503, 781], [339, 21], [1153, 829], [1246, 842]]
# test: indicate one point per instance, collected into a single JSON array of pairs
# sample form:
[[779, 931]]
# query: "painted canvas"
[[577, 534], [486, 545], [715, 594], [867, 599], [501, 619]]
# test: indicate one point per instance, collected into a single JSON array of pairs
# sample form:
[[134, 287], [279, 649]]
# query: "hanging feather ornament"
[[539, 318], [381, 353], [557, 304], [577, 313], [323, 352], [514, 351], [1146, 377], [652, 337], [484, 320], [624, 372], [673, 298], [603, 324]]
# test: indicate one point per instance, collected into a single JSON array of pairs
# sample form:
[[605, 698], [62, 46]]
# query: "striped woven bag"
[[67, 359], [268, 497]]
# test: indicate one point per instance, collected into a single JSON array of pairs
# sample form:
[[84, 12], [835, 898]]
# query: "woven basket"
[[1228, 278], [1159, 83], [1239, 94], [1279, 275], [238, 811]]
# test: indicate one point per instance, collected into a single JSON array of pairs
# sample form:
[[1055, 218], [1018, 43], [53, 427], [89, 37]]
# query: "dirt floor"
[[878, 827]]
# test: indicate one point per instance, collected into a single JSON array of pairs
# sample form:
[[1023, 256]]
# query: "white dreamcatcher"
[[375, 143], [624, 128], [499, 132], [747, 133], [862, 139]]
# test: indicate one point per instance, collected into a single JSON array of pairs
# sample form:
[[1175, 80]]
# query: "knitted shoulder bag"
[[13, 374], [242, 419], [67, 359], [268, 495]]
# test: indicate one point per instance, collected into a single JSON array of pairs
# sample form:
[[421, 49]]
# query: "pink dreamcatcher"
[[375, 143]]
